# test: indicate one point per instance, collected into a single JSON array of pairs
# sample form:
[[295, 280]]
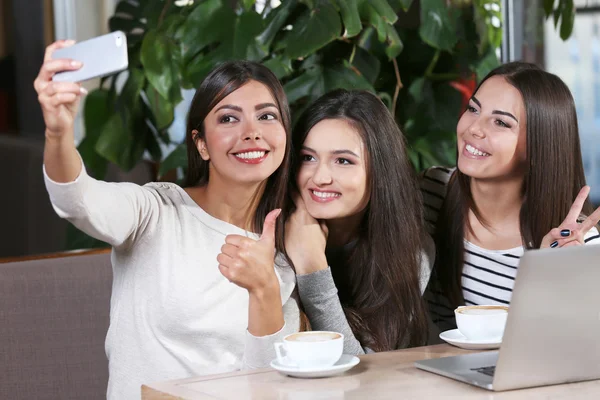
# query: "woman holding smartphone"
[[356, 237], [519, 185], [196, 289]]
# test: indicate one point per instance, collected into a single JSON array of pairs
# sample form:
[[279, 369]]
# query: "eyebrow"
[[495, 111], [239, 109], [335, 152]]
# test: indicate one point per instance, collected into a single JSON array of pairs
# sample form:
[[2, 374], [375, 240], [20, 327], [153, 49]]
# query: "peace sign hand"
[[570, 232]]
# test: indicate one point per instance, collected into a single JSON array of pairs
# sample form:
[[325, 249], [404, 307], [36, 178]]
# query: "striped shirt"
[[488, 276]]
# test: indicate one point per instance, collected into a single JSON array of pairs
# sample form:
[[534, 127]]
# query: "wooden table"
[[389, 375]]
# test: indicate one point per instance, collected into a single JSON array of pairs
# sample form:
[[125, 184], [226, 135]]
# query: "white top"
[[172, 313], [488, 276]]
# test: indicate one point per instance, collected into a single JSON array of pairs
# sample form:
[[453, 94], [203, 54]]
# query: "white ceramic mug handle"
[[281, 359]]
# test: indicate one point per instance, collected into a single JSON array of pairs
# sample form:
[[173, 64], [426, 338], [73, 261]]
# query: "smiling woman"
[[357, 209], [519, 185], [196, 287]]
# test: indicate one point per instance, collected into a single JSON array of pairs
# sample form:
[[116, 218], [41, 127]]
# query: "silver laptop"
[[552, 334]]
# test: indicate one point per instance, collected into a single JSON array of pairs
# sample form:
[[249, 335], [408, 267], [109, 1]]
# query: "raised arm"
[[59, 102], [305, 241], [107, 211]]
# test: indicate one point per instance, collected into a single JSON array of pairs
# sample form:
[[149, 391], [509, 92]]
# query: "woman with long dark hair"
[[519, 185], [358, 210], [196, 289]]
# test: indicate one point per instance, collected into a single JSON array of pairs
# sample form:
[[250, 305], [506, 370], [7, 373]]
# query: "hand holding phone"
[[101, 56]]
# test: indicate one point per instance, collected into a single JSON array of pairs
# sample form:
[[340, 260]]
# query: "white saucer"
[[455, 338], [345, 362]]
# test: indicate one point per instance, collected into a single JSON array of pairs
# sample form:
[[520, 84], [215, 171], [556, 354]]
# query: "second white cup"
[[312, 349]]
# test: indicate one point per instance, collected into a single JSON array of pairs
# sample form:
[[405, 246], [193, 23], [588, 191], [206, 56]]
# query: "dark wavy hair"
[[553, 177], [219, 83], [378, 280]]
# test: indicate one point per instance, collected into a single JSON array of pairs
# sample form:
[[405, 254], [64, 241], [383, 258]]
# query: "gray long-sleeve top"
[[322, 305]]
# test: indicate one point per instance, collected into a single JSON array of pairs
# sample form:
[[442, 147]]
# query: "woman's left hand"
[[571, 232], [305, 240], [250, 263]]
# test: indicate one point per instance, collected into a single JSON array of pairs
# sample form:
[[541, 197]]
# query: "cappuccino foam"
[[313, 337], [483, 310]]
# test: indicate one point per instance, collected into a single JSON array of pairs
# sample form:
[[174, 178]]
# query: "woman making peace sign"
[[515, 187]]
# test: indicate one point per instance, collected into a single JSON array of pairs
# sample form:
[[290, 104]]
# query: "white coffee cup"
[[310, 349], [481, 322]]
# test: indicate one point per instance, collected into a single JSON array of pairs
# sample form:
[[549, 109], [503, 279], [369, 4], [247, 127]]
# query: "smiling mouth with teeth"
[[476, 152], [251, 155], [323, 197]]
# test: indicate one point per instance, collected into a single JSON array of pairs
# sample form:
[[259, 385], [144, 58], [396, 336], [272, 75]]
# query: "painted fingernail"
[[565, 232], [76, 63], [554, 244], [83, 90]]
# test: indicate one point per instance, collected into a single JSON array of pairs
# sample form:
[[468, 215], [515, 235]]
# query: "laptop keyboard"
[[486, 370]]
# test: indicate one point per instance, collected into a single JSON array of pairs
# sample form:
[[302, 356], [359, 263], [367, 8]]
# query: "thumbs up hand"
[[250, 263]]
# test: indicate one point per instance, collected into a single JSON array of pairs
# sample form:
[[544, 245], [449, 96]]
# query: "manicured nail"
[[554, 244], [76, 63], [83, 90], [565, 232]]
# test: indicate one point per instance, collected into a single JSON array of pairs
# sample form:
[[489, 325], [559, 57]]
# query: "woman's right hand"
[[305, 240], [59, 100]]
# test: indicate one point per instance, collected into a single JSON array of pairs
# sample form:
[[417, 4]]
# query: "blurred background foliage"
[[422, 58]]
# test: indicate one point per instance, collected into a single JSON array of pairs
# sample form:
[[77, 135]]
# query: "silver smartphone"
[[101, 56]]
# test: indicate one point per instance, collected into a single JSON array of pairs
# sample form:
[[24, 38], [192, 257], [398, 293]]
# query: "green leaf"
[[280, 16], [344, 76], [416, 89], [162, 110], [567, 19], [200, 66], [248, 4], [313, 30], [247, 27], [384, 9], [96, 111], [280, 66], [210, 21], [153, 147], [350, 17], [369, 14], [394, 44], [367, 63], [130, 94], [122, 140], [161, 65], [438, 25], [486, 64], [114, 140], [176, 159], [303, 85], [548, 7]]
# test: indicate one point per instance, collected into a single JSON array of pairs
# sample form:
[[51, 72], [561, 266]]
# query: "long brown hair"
[[222, 81], [553, 178], [378, 280]]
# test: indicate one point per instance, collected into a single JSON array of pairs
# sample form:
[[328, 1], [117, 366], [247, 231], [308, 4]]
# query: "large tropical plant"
[[421, 57]]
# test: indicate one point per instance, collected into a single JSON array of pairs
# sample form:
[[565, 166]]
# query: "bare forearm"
[[61, 159], [265, 313]]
